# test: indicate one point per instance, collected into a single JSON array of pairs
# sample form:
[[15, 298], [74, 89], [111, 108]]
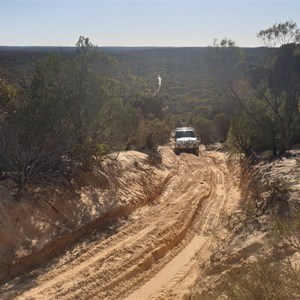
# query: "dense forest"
[[63, 108]]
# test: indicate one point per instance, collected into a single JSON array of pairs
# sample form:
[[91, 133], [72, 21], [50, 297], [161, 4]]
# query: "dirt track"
[[152, 254]]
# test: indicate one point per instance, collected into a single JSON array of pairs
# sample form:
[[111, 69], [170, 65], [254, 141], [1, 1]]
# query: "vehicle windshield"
[[181, 134]]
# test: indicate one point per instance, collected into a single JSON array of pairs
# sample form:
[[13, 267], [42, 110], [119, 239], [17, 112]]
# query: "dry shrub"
[[23, 157], [262, 279], [273, 275], [285, 234]]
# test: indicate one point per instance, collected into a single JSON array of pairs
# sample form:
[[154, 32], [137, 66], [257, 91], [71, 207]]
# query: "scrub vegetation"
[[67, 114]]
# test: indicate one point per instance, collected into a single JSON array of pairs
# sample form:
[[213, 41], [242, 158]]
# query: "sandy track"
[[162, 285], [154, 251]]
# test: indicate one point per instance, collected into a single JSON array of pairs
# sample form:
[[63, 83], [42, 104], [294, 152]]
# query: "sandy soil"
[[249, 232], [154, 252], [52, 215]]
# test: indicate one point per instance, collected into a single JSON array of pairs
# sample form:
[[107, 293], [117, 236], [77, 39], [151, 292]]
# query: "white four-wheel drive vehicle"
[[186, 140]]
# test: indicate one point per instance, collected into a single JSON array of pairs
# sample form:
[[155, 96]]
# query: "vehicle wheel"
[[176, 152], [196, 151]]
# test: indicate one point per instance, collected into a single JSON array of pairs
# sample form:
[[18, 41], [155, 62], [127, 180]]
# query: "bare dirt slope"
[[51, 215], [153, 255]]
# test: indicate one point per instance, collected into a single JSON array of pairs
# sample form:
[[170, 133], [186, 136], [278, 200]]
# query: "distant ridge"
[[72, 48], [110, 49], [36, 48]]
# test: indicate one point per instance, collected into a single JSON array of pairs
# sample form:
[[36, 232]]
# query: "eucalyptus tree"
[[70, 113], [268, 94], [280, 34]]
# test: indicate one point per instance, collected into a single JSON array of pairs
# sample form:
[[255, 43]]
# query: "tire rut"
[[179, 267], [170, 228]]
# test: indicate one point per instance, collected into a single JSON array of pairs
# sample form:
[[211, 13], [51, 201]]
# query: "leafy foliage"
[[205, 129], [267, 99], [280, 34], [153, 133], [69, 116]]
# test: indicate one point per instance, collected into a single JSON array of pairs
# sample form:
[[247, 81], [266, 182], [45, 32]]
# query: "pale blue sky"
[[139, 23]]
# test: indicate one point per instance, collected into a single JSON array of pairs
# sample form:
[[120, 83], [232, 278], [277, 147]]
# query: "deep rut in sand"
[[154, 250], [205, 222]]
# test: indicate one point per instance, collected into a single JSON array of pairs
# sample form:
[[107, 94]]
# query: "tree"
[[227, 56], [7, 99], [221, 124], [205, 129], [226, 61], [24, 154], [268, 96], [280, 34], [155, 132], [279, 90], [120, 122], [151, 107], [67, 116], [241, 135], [67, 95]]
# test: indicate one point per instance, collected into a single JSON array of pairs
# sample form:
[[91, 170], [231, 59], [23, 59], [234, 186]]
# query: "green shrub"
[[205, 130], [160, 131]]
